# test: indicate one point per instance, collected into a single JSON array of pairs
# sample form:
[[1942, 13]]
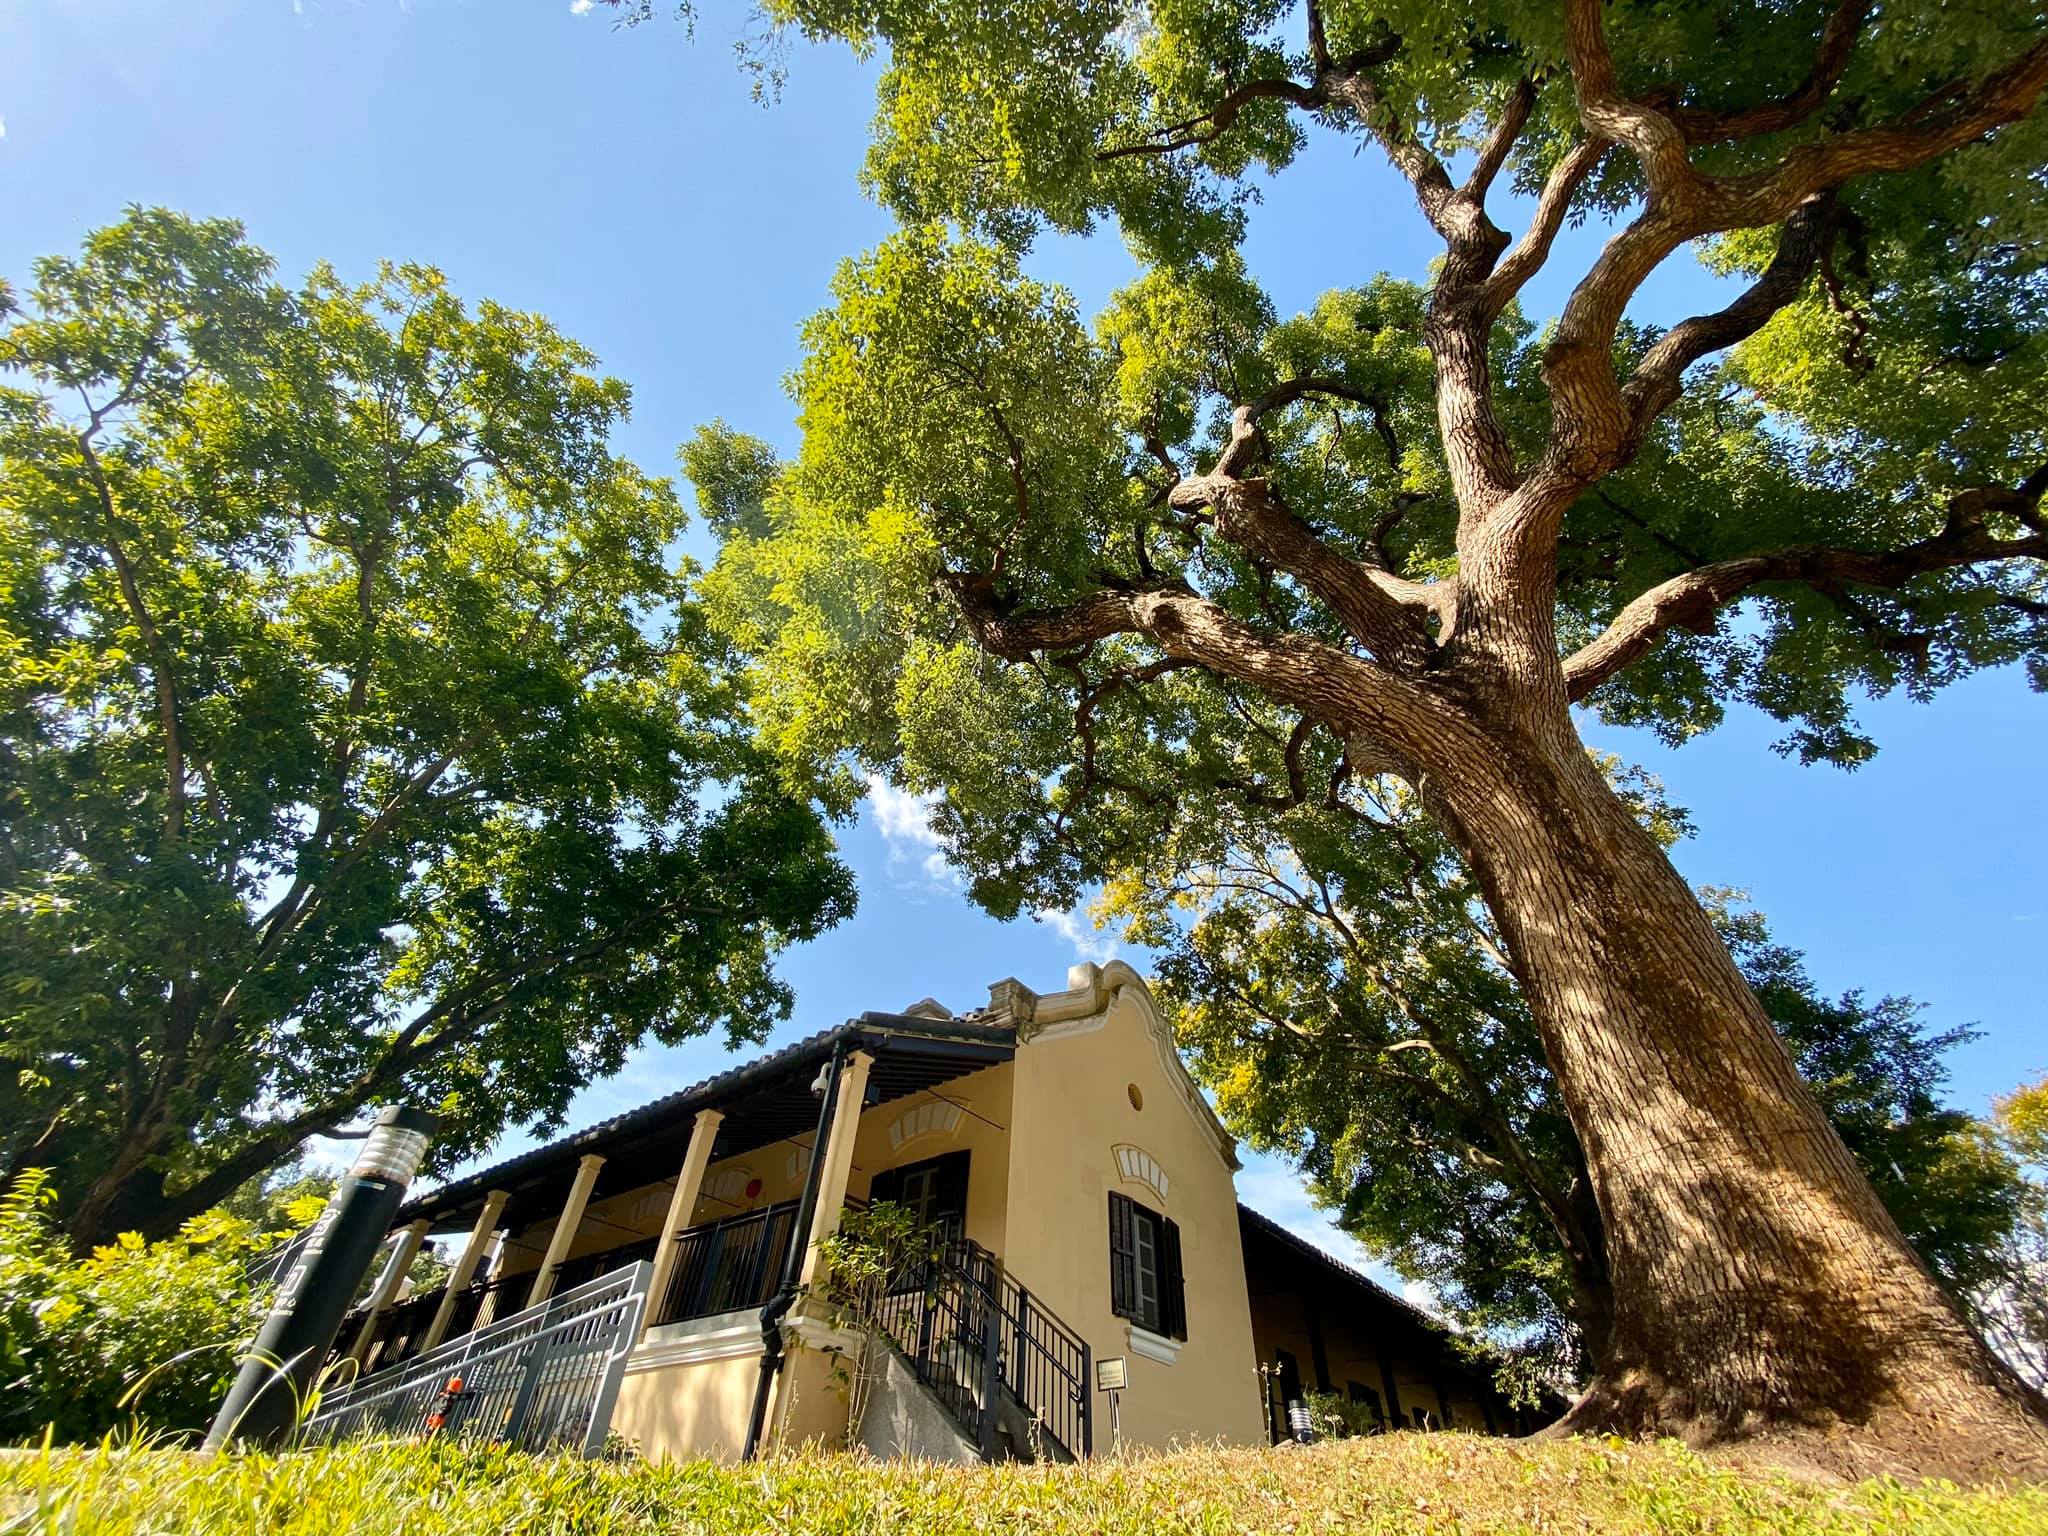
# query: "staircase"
[[1014, 1377]]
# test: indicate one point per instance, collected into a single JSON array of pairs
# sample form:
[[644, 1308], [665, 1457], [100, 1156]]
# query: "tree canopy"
[[1109, 586], [359, 739], [2015, 1301]]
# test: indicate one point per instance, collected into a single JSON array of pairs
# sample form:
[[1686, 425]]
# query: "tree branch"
[[1831, 58], [1500, 141], [1692, 600], [1553, 205], [1384, 612], [1594, 426], [163, 682], [1658, 377], [1349, 691], [1191, 132]]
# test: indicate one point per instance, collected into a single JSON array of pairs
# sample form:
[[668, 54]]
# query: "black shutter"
[[1173, 1295], [1123, 1257]]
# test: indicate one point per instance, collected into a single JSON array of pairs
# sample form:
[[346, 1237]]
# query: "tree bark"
[[1759, 1287]]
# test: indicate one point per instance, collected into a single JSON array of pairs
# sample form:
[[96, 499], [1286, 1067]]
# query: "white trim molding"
[[726, 1336], [934, 1117], [812, 1324], [1154, 1346], [1140, 1167]]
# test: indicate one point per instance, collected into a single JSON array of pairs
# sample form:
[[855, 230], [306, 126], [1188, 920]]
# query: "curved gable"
[[1085, 1007]]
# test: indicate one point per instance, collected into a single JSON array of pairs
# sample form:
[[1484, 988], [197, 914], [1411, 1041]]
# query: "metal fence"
[[975, 1337], [546, 1378], [724, 1266]]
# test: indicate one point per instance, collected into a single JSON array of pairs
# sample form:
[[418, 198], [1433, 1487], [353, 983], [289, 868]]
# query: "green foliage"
[[962, 425], [1170, 604], [2012, 1302], [1391, 1485], [2023, 1121], [876, 1251], [135, 1338], [359, 739], [873, 1249], [283, 1199], [1337, 1417]]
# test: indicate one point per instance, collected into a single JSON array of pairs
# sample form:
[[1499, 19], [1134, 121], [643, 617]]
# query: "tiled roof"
[[980, 1028], [1268, 1227]]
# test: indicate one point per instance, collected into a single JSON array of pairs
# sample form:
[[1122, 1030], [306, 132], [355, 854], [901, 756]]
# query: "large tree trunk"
[[127, 1195], [133, 1195], [1759, 1286]]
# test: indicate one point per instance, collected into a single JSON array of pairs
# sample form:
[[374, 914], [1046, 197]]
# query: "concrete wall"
[[697, 1408], [905, 1420]]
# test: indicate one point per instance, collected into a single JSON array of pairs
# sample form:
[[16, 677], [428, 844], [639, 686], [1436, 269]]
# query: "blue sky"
[[625, 185]]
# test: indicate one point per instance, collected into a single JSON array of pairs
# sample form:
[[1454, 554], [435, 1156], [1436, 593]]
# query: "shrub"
[[873, 1254], [136, 1335], [1336, 1417]]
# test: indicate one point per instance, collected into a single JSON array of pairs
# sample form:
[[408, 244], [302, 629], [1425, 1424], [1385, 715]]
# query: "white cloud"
[[900, 816], [1089, 942], [905, 822], [580, 7]]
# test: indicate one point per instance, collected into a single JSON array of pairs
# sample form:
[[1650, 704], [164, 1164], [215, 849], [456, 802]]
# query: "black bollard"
[[279, 1371]]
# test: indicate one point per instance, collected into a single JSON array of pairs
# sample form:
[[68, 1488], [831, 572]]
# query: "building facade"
[[1093, 1239]]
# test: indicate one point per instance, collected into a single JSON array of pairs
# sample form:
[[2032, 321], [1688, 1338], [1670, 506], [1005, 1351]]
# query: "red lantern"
[[753, 1188]]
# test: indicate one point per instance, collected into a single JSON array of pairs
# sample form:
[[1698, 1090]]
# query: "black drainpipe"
[[793, 1262]]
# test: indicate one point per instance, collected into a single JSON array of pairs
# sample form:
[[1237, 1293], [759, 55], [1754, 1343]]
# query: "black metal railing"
[[543, 1378], [721, 1266], [398, 1331], [403, 1328], [981, 1342], [575, 1272], [727, 1265]]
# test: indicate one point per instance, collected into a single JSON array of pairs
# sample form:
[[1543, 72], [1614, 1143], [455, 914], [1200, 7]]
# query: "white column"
[[567, 1225], [689, 1184], [465, 1267], [838, 1154], [388, 1284]]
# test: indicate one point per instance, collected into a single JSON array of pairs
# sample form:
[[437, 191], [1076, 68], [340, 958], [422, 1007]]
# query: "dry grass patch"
[[1405, 1483]]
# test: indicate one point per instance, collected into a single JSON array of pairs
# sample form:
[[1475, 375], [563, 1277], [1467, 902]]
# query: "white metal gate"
[[543, 1379]]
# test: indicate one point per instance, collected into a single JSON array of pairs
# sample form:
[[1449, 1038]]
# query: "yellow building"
[[1094, 1287]]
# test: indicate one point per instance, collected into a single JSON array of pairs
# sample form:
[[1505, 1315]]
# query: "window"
[[1144, 1269], [934, 1191]]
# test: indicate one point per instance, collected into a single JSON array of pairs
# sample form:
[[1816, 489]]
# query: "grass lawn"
[[1405, 1483]]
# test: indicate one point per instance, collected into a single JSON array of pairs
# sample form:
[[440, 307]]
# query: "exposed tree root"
[[1997, 1432]]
